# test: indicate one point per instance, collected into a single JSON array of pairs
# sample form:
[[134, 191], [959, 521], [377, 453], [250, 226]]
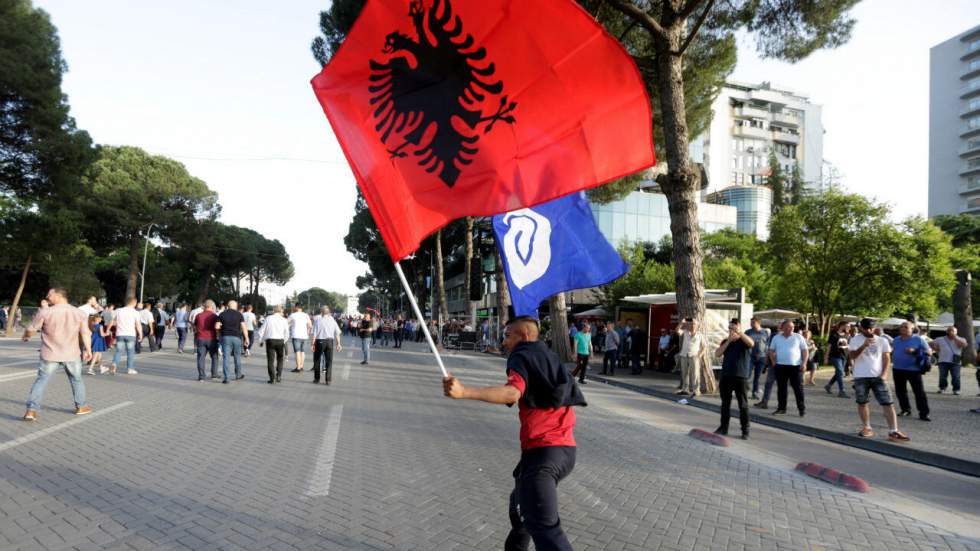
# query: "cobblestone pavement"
[[954, 430], [380, 460]]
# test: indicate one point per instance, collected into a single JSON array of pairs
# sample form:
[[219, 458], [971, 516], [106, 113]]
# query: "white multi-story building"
[[954, 125]]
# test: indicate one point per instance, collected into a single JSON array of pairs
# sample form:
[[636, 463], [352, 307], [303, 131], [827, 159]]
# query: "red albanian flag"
[[452, 108]]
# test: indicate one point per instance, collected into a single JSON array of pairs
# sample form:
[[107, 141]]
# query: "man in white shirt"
[[91, 307], [692, 347], [129, 331], [193, 313], [300, 326], [273, 335], [872, 362], [326, 338], [249, 316], [146, 320], [950, 352], [789, 353]]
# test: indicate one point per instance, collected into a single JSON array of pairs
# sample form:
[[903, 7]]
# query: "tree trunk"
[[12, 315], [441, 283], [470, 305], [682, 185], [503, 293], [204, 287], [559, 328], [134, 266], [963, 315]]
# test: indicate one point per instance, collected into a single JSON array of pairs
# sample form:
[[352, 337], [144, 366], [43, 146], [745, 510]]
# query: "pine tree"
[[777, 182], [796, 189]]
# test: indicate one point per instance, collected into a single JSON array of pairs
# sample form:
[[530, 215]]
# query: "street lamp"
[[146, 247]]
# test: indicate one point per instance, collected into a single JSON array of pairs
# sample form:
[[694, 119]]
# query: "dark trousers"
[[181, 338], [637, 368], [609, 360], [534, 501], [161, 330], [251, 337], [789, 374], [206, 347], [913, 378], [758, 365], [399, 337], [739, 386], [324, 350], [275, 350], [146, 335], [581, 366]]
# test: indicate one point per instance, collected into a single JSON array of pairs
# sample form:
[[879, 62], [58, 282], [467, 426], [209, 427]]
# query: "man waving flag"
[[451, 108]]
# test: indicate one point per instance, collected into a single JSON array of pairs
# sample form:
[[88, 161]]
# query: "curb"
[[710, 437], [835, 477], [932, 459]]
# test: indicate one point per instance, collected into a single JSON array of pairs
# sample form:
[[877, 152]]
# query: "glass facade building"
[[753, 203], [643, 216]]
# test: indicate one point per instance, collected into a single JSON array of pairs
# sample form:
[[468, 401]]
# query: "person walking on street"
[[837, 354], [250, 321], [273, 335], [365, 329], [583, 350], [300, 325], [611, 355], [146, 321], [950, 351], [545, 395], [129, 332], [789, 353], [160, 318], [760, 349], [399, 331], [231, 326], [326, 338], [692, 346], [180, 324], [206, 339], [736, 368], [872, 363], [811, 364], [638, 347], [910, 357], [61, 326], [91, 306], [99, 335]]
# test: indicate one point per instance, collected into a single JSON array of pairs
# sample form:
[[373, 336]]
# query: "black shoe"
[[271, 381], [827, 388], [904, 413], [316, 381], [924, 418], [582, 382], [721, 432], [224, 381], [364, 362], [802, 412], [239, 377], [762, 405], [745, 436], [199, 379], [297, 370], [779, 412]]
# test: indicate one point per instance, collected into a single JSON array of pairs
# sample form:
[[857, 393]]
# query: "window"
[[973, 84], [973, 163], [973, 122], [973, 203], [974, 45], [973, 182], [972, 144], [974, 65], [974, 104]]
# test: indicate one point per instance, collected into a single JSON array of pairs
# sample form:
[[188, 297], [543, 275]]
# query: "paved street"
[[380, 460]]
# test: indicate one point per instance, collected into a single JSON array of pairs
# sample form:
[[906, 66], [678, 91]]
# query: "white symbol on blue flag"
[[527, 246]]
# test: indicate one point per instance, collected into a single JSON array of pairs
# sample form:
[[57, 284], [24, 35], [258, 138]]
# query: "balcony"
[[970, 90], [751, 132], [970, 208], [971, 70], [966, 130], [971, 147], [970, 109], [746, 112], [786, 119], [970, 167], [785, 137], [970, 188]]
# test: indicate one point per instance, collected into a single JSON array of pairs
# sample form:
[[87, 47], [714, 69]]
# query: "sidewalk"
[[954, 430]]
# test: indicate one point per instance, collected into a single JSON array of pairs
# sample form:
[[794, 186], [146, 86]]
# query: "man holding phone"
[[872, 363], [736, 368]]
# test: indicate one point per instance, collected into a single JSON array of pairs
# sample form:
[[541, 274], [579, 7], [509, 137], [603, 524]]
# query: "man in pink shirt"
[[60, 325]]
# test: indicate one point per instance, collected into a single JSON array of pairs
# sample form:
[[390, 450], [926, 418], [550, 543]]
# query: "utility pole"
[[146, 247]]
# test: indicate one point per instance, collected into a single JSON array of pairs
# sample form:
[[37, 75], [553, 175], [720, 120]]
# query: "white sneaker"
[[103, 370], [90, 372], [132, 372]]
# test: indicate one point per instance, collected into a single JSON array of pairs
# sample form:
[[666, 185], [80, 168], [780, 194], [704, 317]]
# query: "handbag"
[[957, 357]]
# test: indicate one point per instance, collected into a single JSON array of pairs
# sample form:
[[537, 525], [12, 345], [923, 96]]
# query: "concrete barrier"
[[710, 437], [833, 476]]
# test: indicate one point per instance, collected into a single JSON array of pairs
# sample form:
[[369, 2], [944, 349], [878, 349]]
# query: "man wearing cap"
[[872, 363], [545, 393], [788, 352]]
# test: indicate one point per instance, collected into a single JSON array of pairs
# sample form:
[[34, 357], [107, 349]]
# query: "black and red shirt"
[[533, 369]]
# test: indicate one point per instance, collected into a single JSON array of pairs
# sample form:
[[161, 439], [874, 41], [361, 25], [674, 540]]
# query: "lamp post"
[[146, 246]]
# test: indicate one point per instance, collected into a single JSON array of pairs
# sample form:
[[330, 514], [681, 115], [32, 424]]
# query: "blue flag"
[[551, 248]]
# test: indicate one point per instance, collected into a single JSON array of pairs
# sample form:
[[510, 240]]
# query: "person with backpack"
[[910, 359]]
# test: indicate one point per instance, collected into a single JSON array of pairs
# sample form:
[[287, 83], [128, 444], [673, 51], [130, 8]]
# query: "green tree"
[[776, 181], [734, 259], [128, 190], [797, 188], [839, 254], [315, 297], [664, 36], [964, 229]]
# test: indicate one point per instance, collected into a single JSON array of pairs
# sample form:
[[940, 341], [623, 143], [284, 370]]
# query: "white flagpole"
[[418, 314]]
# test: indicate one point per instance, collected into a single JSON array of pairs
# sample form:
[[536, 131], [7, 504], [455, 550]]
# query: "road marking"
[[44, 432], [15, 376], [345, 372], [21, 362], [323, 468]]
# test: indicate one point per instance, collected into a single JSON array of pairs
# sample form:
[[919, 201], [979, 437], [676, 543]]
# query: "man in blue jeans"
[[760, 338], [129, 332], [231, 325], [60, 325], [837, 353]]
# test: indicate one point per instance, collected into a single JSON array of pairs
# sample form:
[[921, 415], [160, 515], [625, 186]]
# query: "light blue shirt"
[[180, 319], [788, 350]]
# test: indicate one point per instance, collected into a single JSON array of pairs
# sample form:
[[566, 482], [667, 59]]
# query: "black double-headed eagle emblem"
[[429, 93]]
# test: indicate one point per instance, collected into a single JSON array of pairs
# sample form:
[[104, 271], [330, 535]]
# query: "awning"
[[711, 295], [776, 313], [593, 313]]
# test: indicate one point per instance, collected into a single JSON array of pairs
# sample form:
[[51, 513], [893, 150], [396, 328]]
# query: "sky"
[[223, 86]]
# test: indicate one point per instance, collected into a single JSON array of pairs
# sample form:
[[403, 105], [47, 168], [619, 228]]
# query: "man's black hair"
[[512, 321], [688, 319]]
